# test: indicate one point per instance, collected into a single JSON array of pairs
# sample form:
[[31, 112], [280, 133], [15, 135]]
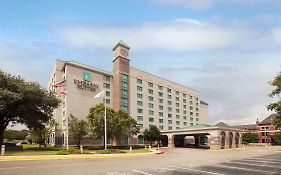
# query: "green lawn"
[[29, 153]]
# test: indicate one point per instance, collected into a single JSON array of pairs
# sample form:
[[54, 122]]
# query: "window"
[[169, 103], [169, 97], [106, 78], [178, 122], [150, 98], [184, 123], [139, 103], [197, 99], [197, 119], [197, 104], [161, 128], [150, 91], [177, 105], [150, 84], [263, 133], [184, 100], [177, 128], [160, 107], [160, 87], [140, 111], [191, 108], [169, 90], [197, 109], [184, 117], [169, 115], [151, 112], [106, 85], [139, 96], [107, 101], [177, 111], [190, 97], [184, 111], [139, 88], [184, 95], [160, 114], [170, 122], [169, 109], [150, 105], [160, 100], [107, 93], [170, 128], [140, 126], [124, 92], [177, 116], [184, 106], [191, 124], [160, 94], [190, 102], [139, 81], [197, 114], [151, 119], [177, 93], [191, 113], [191, 118], [140, 118], [160, 120]]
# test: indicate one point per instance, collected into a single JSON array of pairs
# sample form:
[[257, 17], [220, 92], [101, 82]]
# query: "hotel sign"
[[85, 84]]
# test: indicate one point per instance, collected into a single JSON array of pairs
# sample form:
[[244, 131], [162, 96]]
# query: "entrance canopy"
[[219, 137]]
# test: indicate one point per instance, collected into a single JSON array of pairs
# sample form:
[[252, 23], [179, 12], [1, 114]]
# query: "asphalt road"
[[254, 161]]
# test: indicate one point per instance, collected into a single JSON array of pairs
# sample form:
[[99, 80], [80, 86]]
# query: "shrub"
[[103, 151], [87, 152], [62, 152], [73, 150], [117, 151]]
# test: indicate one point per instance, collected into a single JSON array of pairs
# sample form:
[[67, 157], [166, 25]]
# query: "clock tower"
[[121, 76]]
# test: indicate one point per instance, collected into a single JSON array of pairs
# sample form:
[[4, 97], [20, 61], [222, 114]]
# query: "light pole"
[[103, 94]]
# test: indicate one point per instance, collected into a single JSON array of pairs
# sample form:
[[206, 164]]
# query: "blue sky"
[[226, 49]]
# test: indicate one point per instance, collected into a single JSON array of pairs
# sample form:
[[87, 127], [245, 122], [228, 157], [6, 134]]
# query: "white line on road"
[[244, 163], [141, 172], [271, 159], [201, 171], [261, 161], [246, 169]]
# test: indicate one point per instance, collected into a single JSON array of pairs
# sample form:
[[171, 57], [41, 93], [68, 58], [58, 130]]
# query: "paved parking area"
[[262, 165]]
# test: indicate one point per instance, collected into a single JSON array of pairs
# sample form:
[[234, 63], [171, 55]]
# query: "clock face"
[[124, 52]]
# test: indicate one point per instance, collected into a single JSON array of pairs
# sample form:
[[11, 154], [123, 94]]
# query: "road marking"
[[262, 161], [141, 172], [271, 159], [243, 163], [201, 171], [246, 169]]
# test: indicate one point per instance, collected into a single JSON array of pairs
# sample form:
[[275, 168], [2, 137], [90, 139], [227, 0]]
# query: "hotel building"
[[149, 99]]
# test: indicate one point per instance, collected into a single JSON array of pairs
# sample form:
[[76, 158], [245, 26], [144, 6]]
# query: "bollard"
[[145, 147], [149, 147], [81, 149], [158, 145], [2, 150], [131, 149]]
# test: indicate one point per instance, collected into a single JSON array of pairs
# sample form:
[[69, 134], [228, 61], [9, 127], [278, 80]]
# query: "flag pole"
[[105, 135], [66, 114]]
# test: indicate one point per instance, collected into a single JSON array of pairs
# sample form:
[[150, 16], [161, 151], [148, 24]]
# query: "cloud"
[[276, 35], [177, 35], [204, 4]]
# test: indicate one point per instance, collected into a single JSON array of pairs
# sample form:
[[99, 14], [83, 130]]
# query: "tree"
[[42, 132], [24, 102], [250, 138], [77, 129], [11, 135], [119, 124], [152, 134], [276, 92]]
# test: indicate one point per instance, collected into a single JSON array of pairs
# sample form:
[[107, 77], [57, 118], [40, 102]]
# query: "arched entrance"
[[237, 140], [222, 140], [140, 139], [230, 139]]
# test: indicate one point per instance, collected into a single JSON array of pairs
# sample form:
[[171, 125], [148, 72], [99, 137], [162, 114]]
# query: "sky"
[[228, 50]]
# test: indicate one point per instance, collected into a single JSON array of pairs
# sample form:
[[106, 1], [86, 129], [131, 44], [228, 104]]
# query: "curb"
[[64, 157], [228, 149]]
